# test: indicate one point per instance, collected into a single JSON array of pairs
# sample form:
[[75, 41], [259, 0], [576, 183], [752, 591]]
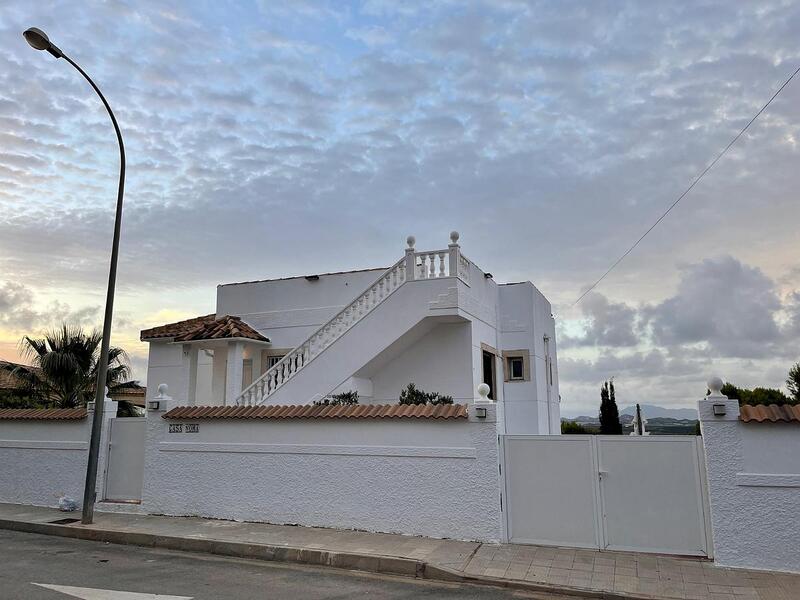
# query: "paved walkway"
[[567, 571]]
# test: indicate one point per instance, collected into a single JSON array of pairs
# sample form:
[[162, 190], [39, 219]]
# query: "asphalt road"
[[27, 559]]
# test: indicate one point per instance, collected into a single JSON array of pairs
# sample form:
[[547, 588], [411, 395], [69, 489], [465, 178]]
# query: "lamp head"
[[38, 40]]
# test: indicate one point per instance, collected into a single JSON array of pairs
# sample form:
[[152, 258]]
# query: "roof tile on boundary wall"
[[309, 411], [43, 414], [772, 413]]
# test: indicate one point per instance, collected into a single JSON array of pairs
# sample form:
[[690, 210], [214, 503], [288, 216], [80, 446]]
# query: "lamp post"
[[38, 39]]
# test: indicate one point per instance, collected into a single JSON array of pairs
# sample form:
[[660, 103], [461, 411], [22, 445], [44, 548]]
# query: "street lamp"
[[38, 40]]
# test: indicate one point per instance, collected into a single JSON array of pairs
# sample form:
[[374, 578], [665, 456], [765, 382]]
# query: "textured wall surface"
[[437, 479], [42, 460], [753, 514]]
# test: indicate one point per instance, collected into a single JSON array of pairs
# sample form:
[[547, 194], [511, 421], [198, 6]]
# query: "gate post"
[[722, 453]]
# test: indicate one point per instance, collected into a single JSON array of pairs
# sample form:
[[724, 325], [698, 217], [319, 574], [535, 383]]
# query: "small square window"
[[516, 368]]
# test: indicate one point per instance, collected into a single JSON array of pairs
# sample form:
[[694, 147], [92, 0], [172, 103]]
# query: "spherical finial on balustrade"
[[411, 240], [454, 237], [483, 392], [162, 389], [715, 386]]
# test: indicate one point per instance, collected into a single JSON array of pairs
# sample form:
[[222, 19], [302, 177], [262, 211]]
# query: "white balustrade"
[[414, 265]]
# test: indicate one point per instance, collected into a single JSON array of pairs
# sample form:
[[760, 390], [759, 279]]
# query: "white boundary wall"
[[45, 459], [437, 478], [754, 488]]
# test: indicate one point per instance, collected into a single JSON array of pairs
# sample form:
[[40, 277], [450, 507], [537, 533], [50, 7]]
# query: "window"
[[516, 368], [516, 365], [271, 357], [488, 372]]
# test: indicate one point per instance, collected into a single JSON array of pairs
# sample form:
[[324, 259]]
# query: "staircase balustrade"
[[431, 264]]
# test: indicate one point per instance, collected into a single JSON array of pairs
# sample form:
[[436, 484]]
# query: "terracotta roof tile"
[[308, 411], [207, 327], [175, 329], [43, 414], [769, 412], [223, 328]]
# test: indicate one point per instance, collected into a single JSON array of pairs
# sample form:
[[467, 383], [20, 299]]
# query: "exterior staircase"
[[413, 266]]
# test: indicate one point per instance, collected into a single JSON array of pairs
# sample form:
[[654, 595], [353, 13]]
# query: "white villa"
[[433, 318]]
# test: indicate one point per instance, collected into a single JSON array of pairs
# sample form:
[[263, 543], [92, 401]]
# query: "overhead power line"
[[689, 189]]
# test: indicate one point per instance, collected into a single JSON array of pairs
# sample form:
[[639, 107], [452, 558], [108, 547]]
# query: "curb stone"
[[388, 565]]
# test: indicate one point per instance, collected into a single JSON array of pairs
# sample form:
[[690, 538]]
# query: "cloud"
[[549, 134], [371, 36], [724, 318], [729, 306], [607, 323], [18, 311]]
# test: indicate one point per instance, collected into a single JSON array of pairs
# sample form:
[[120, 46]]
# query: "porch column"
[[233, 379], [188, 392]]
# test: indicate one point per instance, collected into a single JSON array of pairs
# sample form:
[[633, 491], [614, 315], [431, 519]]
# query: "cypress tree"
[[609, 413]]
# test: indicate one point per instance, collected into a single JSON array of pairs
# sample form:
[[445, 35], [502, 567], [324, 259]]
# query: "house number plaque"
[[184, 428]]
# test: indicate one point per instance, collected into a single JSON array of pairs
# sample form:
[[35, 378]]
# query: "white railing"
[[434, 263], [413, 266], [289, 365]]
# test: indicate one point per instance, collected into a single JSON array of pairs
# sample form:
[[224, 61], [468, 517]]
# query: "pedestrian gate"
[[125, 467], [634, 493]]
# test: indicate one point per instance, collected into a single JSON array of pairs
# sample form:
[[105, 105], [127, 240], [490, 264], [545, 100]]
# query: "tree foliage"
[[568, 427], [344, 399], [609, 413], [412, 395], [63, 367], [793, 382], [756, 396]]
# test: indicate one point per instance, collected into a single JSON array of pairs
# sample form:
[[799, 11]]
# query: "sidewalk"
[[573, 573]]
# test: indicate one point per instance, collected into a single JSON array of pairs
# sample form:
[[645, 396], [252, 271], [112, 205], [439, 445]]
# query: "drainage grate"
[[64, 521]]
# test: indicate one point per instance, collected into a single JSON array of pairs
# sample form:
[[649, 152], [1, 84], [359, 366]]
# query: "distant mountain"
[[674, 424], [651, 411]]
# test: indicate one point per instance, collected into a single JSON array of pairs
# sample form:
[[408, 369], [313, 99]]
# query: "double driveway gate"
[[643, 494]]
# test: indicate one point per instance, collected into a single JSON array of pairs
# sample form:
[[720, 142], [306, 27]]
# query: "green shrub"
[[412, 395], [756, 396], [344, 399], [573, 427]]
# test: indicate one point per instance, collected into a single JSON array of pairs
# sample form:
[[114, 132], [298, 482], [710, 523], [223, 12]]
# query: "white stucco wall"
[[431, 478], [754, 489], [164, 362], [525, 318], [397, 315], [43, 460], [289, 310], [439, 361]]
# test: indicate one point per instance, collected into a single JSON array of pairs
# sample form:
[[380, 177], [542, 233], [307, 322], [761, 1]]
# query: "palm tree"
[[63, 366]]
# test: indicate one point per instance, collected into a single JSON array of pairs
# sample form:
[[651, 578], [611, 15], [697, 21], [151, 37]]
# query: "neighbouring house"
[[130, 391], [433, 318], [11, 386]]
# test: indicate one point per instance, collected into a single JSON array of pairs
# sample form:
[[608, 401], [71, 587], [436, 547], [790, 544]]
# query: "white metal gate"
[[125, 467], [636, 493]]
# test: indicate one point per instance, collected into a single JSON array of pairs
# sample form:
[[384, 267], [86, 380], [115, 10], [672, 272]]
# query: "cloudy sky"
[[267, 139]]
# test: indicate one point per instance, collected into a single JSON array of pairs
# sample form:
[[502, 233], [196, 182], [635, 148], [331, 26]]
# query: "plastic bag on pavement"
[[67, 504]]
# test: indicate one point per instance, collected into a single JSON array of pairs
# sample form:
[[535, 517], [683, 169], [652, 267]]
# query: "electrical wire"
[[688, 189]]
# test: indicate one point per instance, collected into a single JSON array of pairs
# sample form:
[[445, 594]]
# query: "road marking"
[[96, 594]]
